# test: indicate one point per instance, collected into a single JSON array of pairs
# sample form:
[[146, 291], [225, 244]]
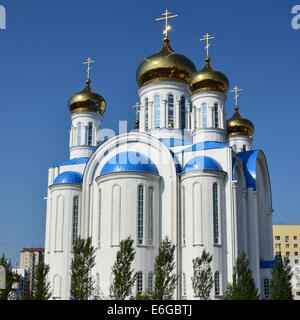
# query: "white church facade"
[[184, 172]]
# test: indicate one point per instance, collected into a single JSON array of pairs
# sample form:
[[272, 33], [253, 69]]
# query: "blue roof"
[[268, 264], [206, 145], [172, 142], [74, 161], [249, 159], [68, 177], [176, 163], [202, 163], [129, 161]]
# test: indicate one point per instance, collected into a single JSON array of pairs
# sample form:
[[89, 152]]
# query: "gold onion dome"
[[208, 79], [165, 65], [87, 101], [239, 126]]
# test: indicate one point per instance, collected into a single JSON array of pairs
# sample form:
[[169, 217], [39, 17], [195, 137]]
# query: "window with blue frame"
[[146, 114], [183, 112], [157, 111], [171, 111], [204, 115], [216, 112]]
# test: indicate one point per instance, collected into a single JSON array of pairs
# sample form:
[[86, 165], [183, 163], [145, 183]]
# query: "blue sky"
[[41, 55]]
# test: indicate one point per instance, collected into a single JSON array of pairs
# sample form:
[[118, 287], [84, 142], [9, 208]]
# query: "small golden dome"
[[208, 79], [87, 101], [239, 126], [165, 65]]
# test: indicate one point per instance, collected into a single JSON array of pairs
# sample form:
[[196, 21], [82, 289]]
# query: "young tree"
[[41, 287], [281, 286], [202, 278], [82, 283], [123, 277], [165, 280], [4, 293], [243, 285]]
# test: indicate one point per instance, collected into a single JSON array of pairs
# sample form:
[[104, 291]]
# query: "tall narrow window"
[[195, 118], [171, 111], [183, 216], [216, 112], [157, 111], [79, 134], [139, 282], [140, 214], [146, 114], [215, 213], [99, 220], [90, 134], [150, 282], [75, 220], [217, 283], [204, 115], [266, 287], [182, 112], [150, 216]]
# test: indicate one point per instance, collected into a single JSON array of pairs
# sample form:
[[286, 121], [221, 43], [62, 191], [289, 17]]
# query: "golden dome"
[[87, 101], [165, 65], [239, 126], [208, 79]]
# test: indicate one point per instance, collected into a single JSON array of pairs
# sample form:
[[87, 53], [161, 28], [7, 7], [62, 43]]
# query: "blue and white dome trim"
[[206, 145], [129, 162], [202, 163], [82, 160], [68, 177]]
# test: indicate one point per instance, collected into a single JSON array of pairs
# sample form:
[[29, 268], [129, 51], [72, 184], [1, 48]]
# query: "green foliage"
[[202, 278], [243, 285], [281, 286], [9, 278], [123, 277], [142, 296], [165, 279], [82, 283], [41, 287]]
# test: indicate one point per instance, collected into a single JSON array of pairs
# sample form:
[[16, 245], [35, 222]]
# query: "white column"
[[150, 115], [142, 122], [188, 116], [221, 117], [234, 222], [163, 114], [257, 251], [245, 230]]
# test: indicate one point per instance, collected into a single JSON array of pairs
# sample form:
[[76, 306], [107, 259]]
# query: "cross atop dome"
[[236, 90], [166, 15], [206, 38], [89, 61]]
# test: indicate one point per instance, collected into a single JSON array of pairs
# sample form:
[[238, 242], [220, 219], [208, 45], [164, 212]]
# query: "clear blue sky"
[[41, 55]]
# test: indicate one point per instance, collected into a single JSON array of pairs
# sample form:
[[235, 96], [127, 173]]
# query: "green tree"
[[41, 287], [243, 285], [9, 277], [281, 286], [82, 283], [165, 280], [123, 276], [202, 278]]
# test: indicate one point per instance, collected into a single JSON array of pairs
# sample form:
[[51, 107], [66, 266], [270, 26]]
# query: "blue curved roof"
[[74, 161], [172, 142], [68, 177], [202, 163], [129, 161], [206, 145], [249, 159]]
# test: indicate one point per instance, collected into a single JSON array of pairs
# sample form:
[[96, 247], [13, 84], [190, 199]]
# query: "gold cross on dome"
[[137, 106], [166, 15], [206, 38], [236, 90], [89, 61]]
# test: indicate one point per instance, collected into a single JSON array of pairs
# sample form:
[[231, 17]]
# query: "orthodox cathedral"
[[184, 173]]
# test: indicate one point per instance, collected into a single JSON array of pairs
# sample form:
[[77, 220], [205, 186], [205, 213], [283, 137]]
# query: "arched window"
[[146, 114], [75, 220], [150, 215], [140, 214], [216, 112], [183, 216], [139, 282], [217, 283], [150, 282], [183, 111], [215, 213], [204, 115], [157, 111], [90, 134], [184, 284], [79, 134], [244, 148], [267, 287], [171, 111]]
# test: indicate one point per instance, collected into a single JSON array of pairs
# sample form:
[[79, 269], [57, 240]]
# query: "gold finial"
[[236, 90], [206, 38], [166, 15], [89, 61]]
